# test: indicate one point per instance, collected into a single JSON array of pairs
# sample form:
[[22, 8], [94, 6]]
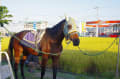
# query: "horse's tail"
[[10, 50]]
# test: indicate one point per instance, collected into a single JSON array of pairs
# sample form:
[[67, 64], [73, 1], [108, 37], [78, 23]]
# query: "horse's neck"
[[58, 35], [57, 30]]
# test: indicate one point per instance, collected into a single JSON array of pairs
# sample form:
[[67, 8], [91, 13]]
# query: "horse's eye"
[[69, 27]]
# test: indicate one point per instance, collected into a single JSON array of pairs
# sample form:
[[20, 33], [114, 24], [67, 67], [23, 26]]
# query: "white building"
[[39, 25]]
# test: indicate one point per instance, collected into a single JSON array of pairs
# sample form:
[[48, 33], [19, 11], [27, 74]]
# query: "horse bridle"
[[66, 31]]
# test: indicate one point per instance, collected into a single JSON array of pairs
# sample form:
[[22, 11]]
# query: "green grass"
[[86, 43], [72, 60], [94, 44]]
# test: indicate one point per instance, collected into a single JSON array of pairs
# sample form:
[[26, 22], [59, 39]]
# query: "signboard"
[[83, 26], [34, 26]]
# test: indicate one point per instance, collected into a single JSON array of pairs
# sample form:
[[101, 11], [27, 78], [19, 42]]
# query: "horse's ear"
[[66, 18]]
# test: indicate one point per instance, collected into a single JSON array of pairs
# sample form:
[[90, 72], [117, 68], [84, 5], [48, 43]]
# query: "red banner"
[[102, 22], [98, 25]]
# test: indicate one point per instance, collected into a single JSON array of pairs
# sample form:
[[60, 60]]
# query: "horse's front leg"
[[17, 53], [16, 70], [55, 61], [43, 65]]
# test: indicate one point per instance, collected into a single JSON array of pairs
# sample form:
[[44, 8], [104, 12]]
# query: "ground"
[[48, 74]]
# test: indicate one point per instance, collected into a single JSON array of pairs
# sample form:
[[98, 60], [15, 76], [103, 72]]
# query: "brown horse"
[[51, 42]]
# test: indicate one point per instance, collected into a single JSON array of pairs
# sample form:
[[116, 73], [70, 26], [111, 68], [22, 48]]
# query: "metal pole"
[[0, 50], [97, 26], [0, 2], [97, 30], [0, 43], [10, 67], [0, 59], [117, 65], [0, 65]]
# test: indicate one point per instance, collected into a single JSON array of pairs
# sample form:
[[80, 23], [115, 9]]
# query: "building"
[[38, 25], [116, 28], [104, 28]]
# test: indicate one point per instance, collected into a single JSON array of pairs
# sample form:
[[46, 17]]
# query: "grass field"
[[86, 43], [72, 60]]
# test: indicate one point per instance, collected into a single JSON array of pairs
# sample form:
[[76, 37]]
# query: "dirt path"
[[5, 71], [48, 75]]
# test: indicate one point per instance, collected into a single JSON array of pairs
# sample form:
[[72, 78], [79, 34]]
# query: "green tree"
[[4, 16]]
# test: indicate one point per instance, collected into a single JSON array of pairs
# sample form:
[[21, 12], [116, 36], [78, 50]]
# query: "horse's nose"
[[76, 42]]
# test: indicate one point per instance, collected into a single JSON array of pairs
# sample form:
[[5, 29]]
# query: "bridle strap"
[[67, 32], [65, 29]]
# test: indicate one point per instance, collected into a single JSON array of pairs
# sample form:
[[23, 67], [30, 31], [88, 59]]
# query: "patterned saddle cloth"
[[33, 38]]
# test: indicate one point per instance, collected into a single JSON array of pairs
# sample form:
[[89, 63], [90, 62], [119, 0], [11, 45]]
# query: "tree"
[[4, 16]]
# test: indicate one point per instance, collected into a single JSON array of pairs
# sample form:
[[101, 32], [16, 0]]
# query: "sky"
[[54, 10]]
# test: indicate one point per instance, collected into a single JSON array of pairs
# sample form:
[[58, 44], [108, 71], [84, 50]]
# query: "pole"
[[97, 26], [0, 65], [0, 50], [0, 43], [9, 64], [0, 58], [117, 65], [97, 30]]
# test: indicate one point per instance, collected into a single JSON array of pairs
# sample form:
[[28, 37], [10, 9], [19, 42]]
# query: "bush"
[[5, 43]]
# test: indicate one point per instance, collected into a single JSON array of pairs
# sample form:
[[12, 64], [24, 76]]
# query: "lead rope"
[[99, 53]]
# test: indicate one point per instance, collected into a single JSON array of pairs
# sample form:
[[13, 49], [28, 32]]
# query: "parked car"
[[109, 35], [114, 35], [103, 35]]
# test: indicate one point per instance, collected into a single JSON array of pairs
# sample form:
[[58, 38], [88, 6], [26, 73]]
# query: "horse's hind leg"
[[17, 53], [17, 60], [22, 66], [43, 65]]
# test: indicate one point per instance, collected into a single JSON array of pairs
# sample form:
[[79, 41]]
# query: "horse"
[[51, 43]]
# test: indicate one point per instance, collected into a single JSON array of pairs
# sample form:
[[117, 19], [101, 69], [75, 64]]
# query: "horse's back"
[[22, 32]]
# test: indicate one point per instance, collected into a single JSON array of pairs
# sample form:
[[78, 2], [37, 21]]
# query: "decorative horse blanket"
[[33, 38]]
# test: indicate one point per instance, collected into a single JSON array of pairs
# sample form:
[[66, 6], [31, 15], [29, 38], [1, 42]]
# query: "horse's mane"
[[56, 29]]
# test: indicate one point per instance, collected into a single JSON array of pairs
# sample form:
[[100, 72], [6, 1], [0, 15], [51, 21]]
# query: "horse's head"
[[70, 31]]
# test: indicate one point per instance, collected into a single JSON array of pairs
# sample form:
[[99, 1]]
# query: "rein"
[[99, 53]]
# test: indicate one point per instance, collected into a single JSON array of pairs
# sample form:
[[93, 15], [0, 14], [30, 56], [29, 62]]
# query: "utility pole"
[[0, 2], [117, 65], [97, 17]]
